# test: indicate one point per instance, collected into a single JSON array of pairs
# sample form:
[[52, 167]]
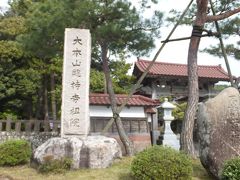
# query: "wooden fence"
[[131, 125], [29, 125]]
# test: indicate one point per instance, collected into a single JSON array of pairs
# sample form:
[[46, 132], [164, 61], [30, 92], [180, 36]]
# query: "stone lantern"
[[169, 138]]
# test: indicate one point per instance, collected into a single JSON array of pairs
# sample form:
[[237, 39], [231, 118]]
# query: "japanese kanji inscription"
[[75, 84]]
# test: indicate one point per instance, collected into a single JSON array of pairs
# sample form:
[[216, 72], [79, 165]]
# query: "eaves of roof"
[[180, 70], [135, 100]]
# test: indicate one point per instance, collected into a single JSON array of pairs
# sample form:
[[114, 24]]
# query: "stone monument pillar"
[[169, 138], [75, 84], [74, 143]]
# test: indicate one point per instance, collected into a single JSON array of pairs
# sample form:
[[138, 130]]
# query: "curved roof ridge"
[[222, 70], [118, 95], [160, 62], [135, 100], [171, 63], [98, 94], [215, 72], [214, 66], [145, 98]]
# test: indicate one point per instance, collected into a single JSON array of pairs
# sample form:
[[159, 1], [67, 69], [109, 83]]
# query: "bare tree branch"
[[222, 16]]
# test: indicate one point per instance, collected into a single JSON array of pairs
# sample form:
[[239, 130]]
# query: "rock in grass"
[[91, 152], [219, 130]]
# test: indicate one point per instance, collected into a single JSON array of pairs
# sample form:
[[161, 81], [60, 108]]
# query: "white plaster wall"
[[149, 117], [104, 111]]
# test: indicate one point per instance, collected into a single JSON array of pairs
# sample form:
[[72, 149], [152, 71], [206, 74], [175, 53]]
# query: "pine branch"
[[222, 16]]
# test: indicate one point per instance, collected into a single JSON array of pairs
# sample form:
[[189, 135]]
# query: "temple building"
[[171, 79], [140, 117]]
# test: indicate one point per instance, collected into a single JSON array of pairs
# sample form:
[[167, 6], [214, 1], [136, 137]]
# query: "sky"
[[3, 3], [176, 52]]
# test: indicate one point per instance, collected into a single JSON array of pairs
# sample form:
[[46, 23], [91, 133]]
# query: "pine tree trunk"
[[45, 98], [193, 95], [53, 97], [122, 134], [186, 140], [29, 108], [105, 87], [193, 91], [39, 104]]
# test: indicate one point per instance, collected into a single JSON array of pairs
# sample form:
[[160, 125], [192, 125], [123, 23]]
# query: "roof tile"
[[135, 100], [172, 69]]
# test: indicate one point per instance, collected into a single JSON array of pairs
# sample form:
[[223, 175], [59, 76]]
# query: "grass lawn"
[[199, 172], [119, 170]]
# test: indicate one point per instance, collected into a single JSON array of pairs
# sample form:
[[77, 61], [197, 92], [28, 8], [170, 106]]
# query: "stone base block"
[[90, 152]]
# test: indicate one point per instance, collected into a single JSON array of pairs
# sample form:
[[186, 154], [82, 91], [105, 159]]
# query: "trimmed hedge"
[[14, 152], [231, 169], [161, 162]]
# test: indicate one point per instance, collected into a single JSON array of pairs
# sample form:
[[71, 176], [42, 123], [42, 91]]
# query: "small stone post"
[[169, 138], [155, 130]]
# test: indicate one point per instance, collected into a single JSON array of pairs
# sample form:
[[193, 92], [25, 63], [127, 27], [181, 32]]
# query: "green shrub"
[[14, 152], [8, 115], [161, 162], [231, 169], [51, 165]]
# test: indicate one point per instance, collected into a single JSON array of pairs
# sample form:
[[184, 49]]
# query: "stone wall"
[[34, 131], [140, 141], [36, 139]]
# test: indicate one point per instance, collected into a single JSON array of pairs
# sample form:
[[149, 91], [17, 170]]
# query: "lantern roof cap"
[[167, 105]]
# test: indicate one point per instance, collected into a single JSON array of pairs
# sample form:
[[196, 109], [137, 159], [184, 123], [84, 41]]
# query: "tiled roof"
[[135, 100], [172, 69]]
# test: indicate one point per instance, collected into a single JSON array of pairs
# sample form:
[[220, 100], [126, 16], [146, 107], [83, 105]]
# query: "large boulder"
[[90, 152], [219, 130]]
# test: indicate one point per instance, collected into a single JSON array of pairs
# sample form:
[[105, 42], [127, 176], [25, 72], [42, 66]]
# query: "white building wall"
[[106, 111], [149, 118]]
